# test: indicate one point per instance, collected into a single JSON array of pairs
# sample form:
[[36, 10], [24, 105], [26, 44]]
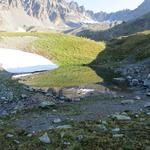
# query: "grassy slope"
[[136, 46], [69, 52], [61, 48]]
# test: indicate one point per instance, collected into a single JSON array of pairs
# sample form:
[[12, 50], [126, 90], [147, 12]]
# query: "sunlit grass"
[[61, 48]]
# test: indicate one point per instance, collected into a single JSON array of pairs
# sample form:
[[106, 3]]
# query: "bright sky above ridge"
[[109, 5]]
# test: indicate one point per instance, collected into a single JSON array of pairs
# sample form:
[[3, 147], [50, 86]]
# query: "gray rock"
[[24, 96], [57, 120], [29, 135], [66, 143], [102, 127], [148, 94], [45, 139], [47, 104], [148, 77], [147, 83], [148, 113], [124, 102], [16, 141], [137, 98], [9, 135], [116, 130], [135, 82], [122, 117]]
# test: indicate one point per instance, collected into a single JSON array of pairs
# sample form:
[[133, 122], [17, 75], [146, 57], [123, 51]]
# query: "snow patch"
[[17, 61]]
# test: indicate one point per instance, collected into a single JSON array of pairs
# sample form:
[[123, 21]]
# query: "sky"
[[109, 5]]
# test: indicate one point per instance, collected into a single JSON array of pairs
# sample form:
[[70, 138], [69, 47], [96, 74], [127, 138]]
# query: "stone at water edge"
[[45, 138]]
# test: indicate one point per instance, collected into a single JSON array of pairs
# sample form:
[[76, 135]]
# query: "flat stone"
[[45, 139]]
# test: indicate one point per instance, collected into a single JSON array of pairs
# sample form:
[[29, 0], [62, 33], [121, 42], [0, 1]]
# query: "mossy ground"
[[135, 136]]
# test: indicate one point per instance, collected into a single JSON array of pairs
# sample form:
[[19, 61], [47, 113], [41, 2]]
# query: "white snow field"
[[17, 61]]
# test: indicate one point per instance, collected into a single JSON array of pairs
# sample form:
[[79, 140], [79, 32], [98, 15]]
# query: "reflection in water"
[[64, 77]]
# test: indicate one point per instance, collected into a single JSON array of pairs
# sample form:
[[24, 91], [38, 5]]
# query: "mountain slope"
[[137, 25]]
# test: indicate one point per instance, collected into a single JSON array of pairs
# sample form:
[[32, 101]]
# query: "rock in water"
[[45, 139]]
